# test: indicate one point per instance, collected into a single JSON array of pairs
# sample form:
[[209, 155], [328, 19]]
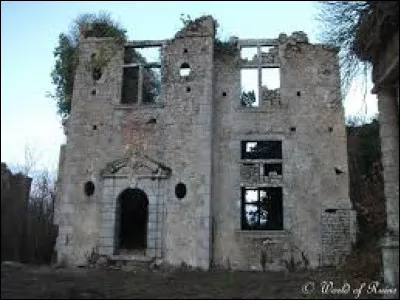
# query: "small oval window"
[[185, 70], [180, 190], [89, 188]]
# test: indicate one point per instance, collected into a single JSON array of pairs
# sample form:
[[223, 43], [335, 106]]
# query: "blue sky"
[[29, 34]]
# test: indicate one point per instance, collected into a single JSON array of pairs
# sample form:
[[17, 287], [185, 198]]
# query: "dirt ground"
[[22, 281]]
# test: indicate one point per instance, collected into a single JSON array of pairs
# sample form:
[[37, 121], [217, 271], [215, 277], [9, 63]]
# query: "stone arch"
[[131, 222]]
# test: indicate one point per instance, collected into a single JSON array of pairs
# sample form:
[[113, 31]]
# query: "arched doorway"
[[132, 216]]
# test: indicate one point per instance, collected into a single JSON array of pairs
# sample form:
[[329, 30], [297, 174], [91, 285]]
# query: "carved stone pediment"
[[135, 163]]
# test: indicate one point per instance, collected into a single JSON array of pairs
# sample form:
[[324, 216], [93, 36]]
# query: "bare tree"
[[40, 232], [339, 21]]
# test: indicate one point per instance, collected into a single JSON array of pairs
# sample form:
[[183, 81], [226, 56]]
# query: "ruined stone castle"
[[201, 158]]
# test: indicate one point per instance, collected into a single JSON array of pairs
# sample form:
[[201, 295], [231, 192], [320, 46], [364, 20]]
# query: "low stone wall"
[[338, 233]]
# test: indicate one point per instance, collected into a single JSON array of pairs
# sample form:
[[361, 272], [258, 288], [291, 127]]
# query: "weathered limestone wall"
[[197, 131], [310, 155], [188, 144], [15, 189], [93, 138]]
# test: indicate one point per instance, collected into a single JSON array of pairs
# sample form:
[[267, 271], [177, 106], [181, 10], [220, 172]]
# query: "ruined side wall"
[[92, 140], [319, 145], [310, 154], [188, 138], [15, 189]]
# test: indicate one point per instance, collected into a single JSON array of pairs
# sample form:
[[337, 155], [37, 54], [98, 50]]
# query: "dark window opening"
[[293, 129], [132, 219], [298, 93], [93, 92], [224, 94], [130, 85], [142, 75], [151, 90], [262, 209], [261, 149], [89, 188], [330, 129], [272, 169], [185, 50], [94, 127], [188, 89], [180, 190]]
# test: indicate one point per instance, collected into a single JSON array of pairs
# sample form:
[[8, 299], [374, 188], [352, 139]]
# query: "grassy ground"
[[48, 283]]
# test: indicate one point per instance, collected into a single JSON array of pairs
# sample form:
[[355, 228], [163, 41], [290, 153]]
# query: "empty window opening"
[[223, 94], [142, 75], [185, 50], [131, 56], [151, 88], [298, 93], [272, 169], [261, 149], [269, 54], [150, 54], [262, 209], [131, 221], [130, 85], [93, 92], [94, 127], [330, 129], [293, 129], [144, 55], [188, 89], [248, 53], [89, 188], [249, 88], [270, 84], [184, 70], [267, 49]]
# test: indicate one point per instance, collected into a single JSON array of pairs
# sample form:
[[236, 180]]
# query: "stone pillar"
[[389, 134]]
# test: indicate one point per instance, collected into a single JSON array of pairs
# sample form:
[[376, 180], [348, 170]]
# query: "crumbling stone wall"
[[336, 228], [15, 189], [93, 139], [188, 140], [310, 123], [196, 131]]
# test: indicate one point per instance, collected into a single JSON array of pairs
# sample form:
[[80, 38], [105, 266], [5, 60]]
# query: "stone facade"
[[195, 136]]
